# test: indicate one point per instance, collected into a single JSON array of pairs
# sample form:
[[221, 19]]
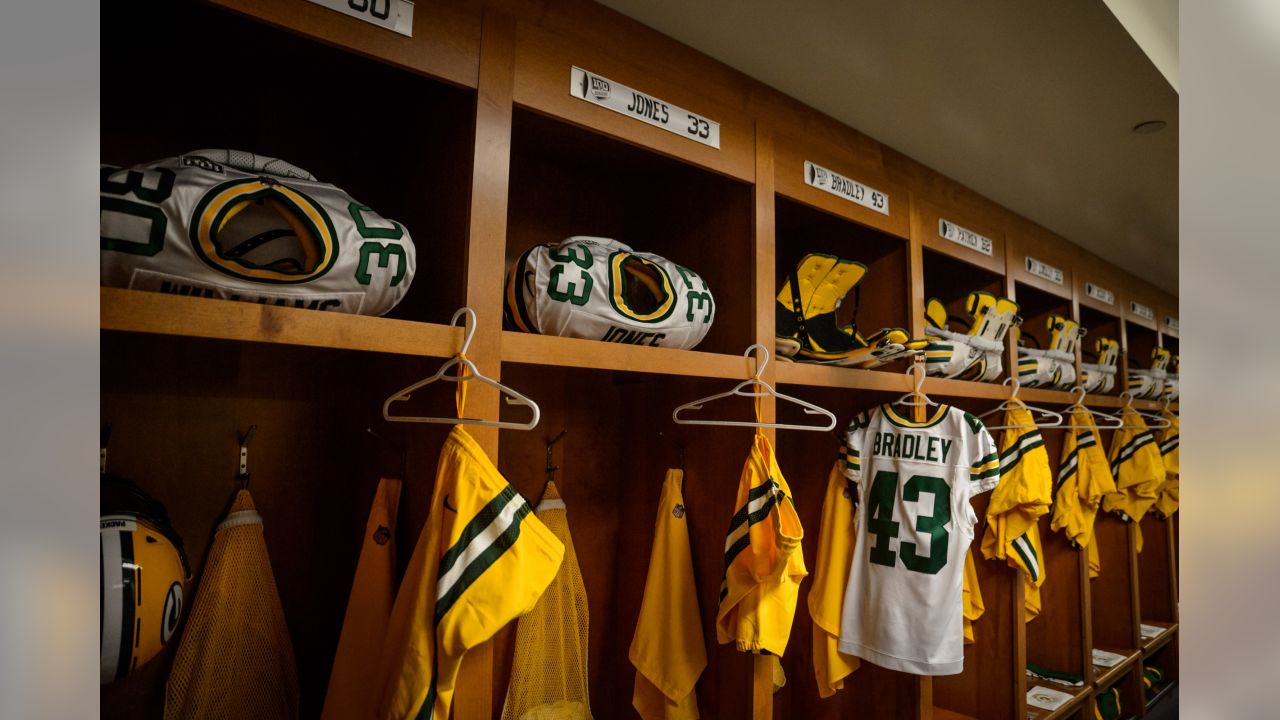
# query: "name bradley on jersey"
[[912, 446]]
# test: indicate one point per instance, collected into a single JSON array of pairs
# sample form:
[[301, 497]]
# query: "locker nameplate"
[[393, 15], [847, 188], [1141, 310], [1099, 293], [1044, 270], [599, 90], [1171, 322], [948, 230]]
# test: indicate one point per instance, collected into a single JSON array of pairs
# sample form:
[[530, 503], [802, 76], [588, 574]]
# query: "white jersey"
[[590, 287], [234, 225], [903, 605]]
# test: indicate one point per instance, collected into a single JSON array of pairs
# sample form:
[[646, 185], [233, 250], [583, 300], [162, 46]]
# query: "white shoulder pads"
[[599, 289], [234, 225]]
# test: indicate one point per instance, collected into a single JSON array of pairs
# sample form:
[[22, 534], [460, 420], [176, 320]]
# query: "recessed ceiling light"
[[1149, 127]]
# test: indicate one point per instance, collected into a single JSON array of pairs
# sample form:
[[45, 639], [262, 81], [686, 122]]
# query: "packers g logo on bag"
[[231, 242]]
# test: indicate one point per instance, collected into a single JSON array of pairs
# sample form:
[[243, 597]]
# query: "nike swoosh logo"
[[446, 505]]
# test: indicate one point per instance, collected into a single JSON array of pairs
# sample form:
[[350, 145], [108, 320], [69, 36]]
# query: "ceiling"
[[1031, 104]]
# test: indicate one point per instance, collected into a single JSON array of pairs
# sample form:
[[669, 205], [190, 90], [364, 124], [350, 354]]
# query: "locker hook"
[[404, 453], [243, 475], [104, 437], [551, 466]]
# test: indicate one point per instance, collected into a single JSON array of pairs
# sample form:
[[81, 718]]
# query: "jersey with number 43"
[[234, 225], [903, 605], [599, 289]]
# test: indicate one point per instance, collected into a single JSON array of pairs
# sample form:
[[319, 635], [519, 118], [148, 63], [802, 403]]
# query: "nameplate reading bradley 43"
[[619, 98], [855, 192], [394, 15]]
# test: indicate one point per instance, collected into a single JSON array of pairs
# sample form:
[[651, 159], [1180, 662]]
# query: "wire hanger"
[[1078, 408], [1154, 421], [467, 372], [915, 398], [1048, 419], [765, 390]]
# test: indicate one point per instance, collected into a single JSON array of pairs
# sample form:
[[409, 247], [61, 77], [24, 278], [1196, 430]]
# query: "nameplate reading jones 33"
[[599, 90]]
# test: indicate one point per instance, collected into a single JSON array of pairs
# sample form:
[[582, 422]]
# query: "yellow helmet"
[[144, 575]]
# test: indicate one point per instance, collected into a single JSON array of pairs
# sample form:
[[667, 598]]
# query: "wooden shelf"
[[1078, 696], [802, 373], [1105, 677], [161, 314], [1114, 401], [1149, 646], [518, 347], [944, 714]]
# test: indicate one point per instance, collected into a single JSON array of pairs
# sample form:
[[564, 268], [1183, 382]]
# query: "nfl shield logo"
[[599, 88], [678, 511]]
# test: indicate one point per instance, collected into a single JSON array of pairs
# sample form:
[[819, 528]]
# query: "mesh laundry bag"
[[235, 659], [549, 672]]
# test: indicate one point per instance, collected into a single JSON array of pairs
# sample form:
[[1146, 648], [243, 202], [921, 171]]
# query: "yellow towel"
[[480, 562], [668, 649], [1022, 497], [235, 660], [352, 688], [1084, 478], [836, 539], [763, 561]]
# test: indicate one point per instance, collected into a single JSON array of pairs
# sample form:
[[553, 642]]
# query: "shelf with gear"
[[405, 173], [967, 315], [1040, 277], [1100, 347], [841, 296], [610, 242]]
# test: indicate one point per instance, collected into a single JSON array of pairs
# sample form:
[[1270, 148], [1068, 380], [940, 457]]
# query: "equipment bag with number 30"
[[235, 225]]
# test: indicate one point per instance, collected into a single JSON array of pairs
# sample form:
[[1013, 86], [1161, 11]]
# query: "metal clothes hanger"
[[1154, 421], [467, 372], [1049, 418], [764, 390], [1076, 408], [915, 398]]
